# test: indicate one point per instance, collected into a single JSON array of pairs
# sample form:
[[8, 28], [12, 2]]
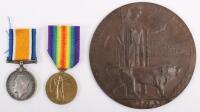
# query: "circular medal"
[[142, 55], [21, 84], [61, 88]]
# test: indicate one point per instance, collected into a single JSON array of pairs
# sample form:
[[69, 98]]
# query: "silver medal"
[[21, 84]]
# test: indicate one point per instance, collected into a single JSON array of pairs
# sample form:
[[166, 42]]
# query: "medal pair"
[[63, 48]]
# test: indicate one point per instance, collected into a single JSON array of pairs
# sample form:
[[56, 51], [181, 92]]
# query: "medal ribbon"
[[64, 45], [22, 45]]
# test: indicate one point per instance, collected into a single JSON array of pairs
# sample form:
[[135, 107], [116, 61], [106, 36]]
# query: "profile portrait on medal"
[[21, 85]]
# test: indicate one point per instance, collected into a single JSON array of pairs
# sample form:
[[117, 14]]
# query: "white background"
[[88, 14]]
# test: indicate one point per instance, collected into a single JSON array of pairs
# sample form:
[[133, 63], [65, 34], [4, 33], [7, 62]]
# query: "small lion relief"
[[140, 79]]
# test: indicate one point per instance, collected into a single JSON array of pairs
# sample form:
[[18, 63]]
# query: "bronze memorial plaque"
[[142, 55]]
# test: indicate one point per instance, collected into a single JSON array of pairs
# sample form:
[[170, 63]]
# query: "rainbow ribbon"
[[22, 45], [64, 45]]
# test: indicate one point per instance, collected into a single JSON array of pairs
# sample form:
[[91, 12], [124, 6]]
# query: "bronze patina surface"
[[61, 88], [142, 55]]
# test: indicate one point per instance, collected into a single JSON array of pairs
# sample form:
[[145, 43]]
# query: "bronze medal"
[[61, 88], [142, 55]]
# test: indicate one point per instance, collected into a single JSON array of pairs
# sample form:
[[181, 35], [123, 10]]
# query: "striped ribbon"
[[22, 45], [64, 45]]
